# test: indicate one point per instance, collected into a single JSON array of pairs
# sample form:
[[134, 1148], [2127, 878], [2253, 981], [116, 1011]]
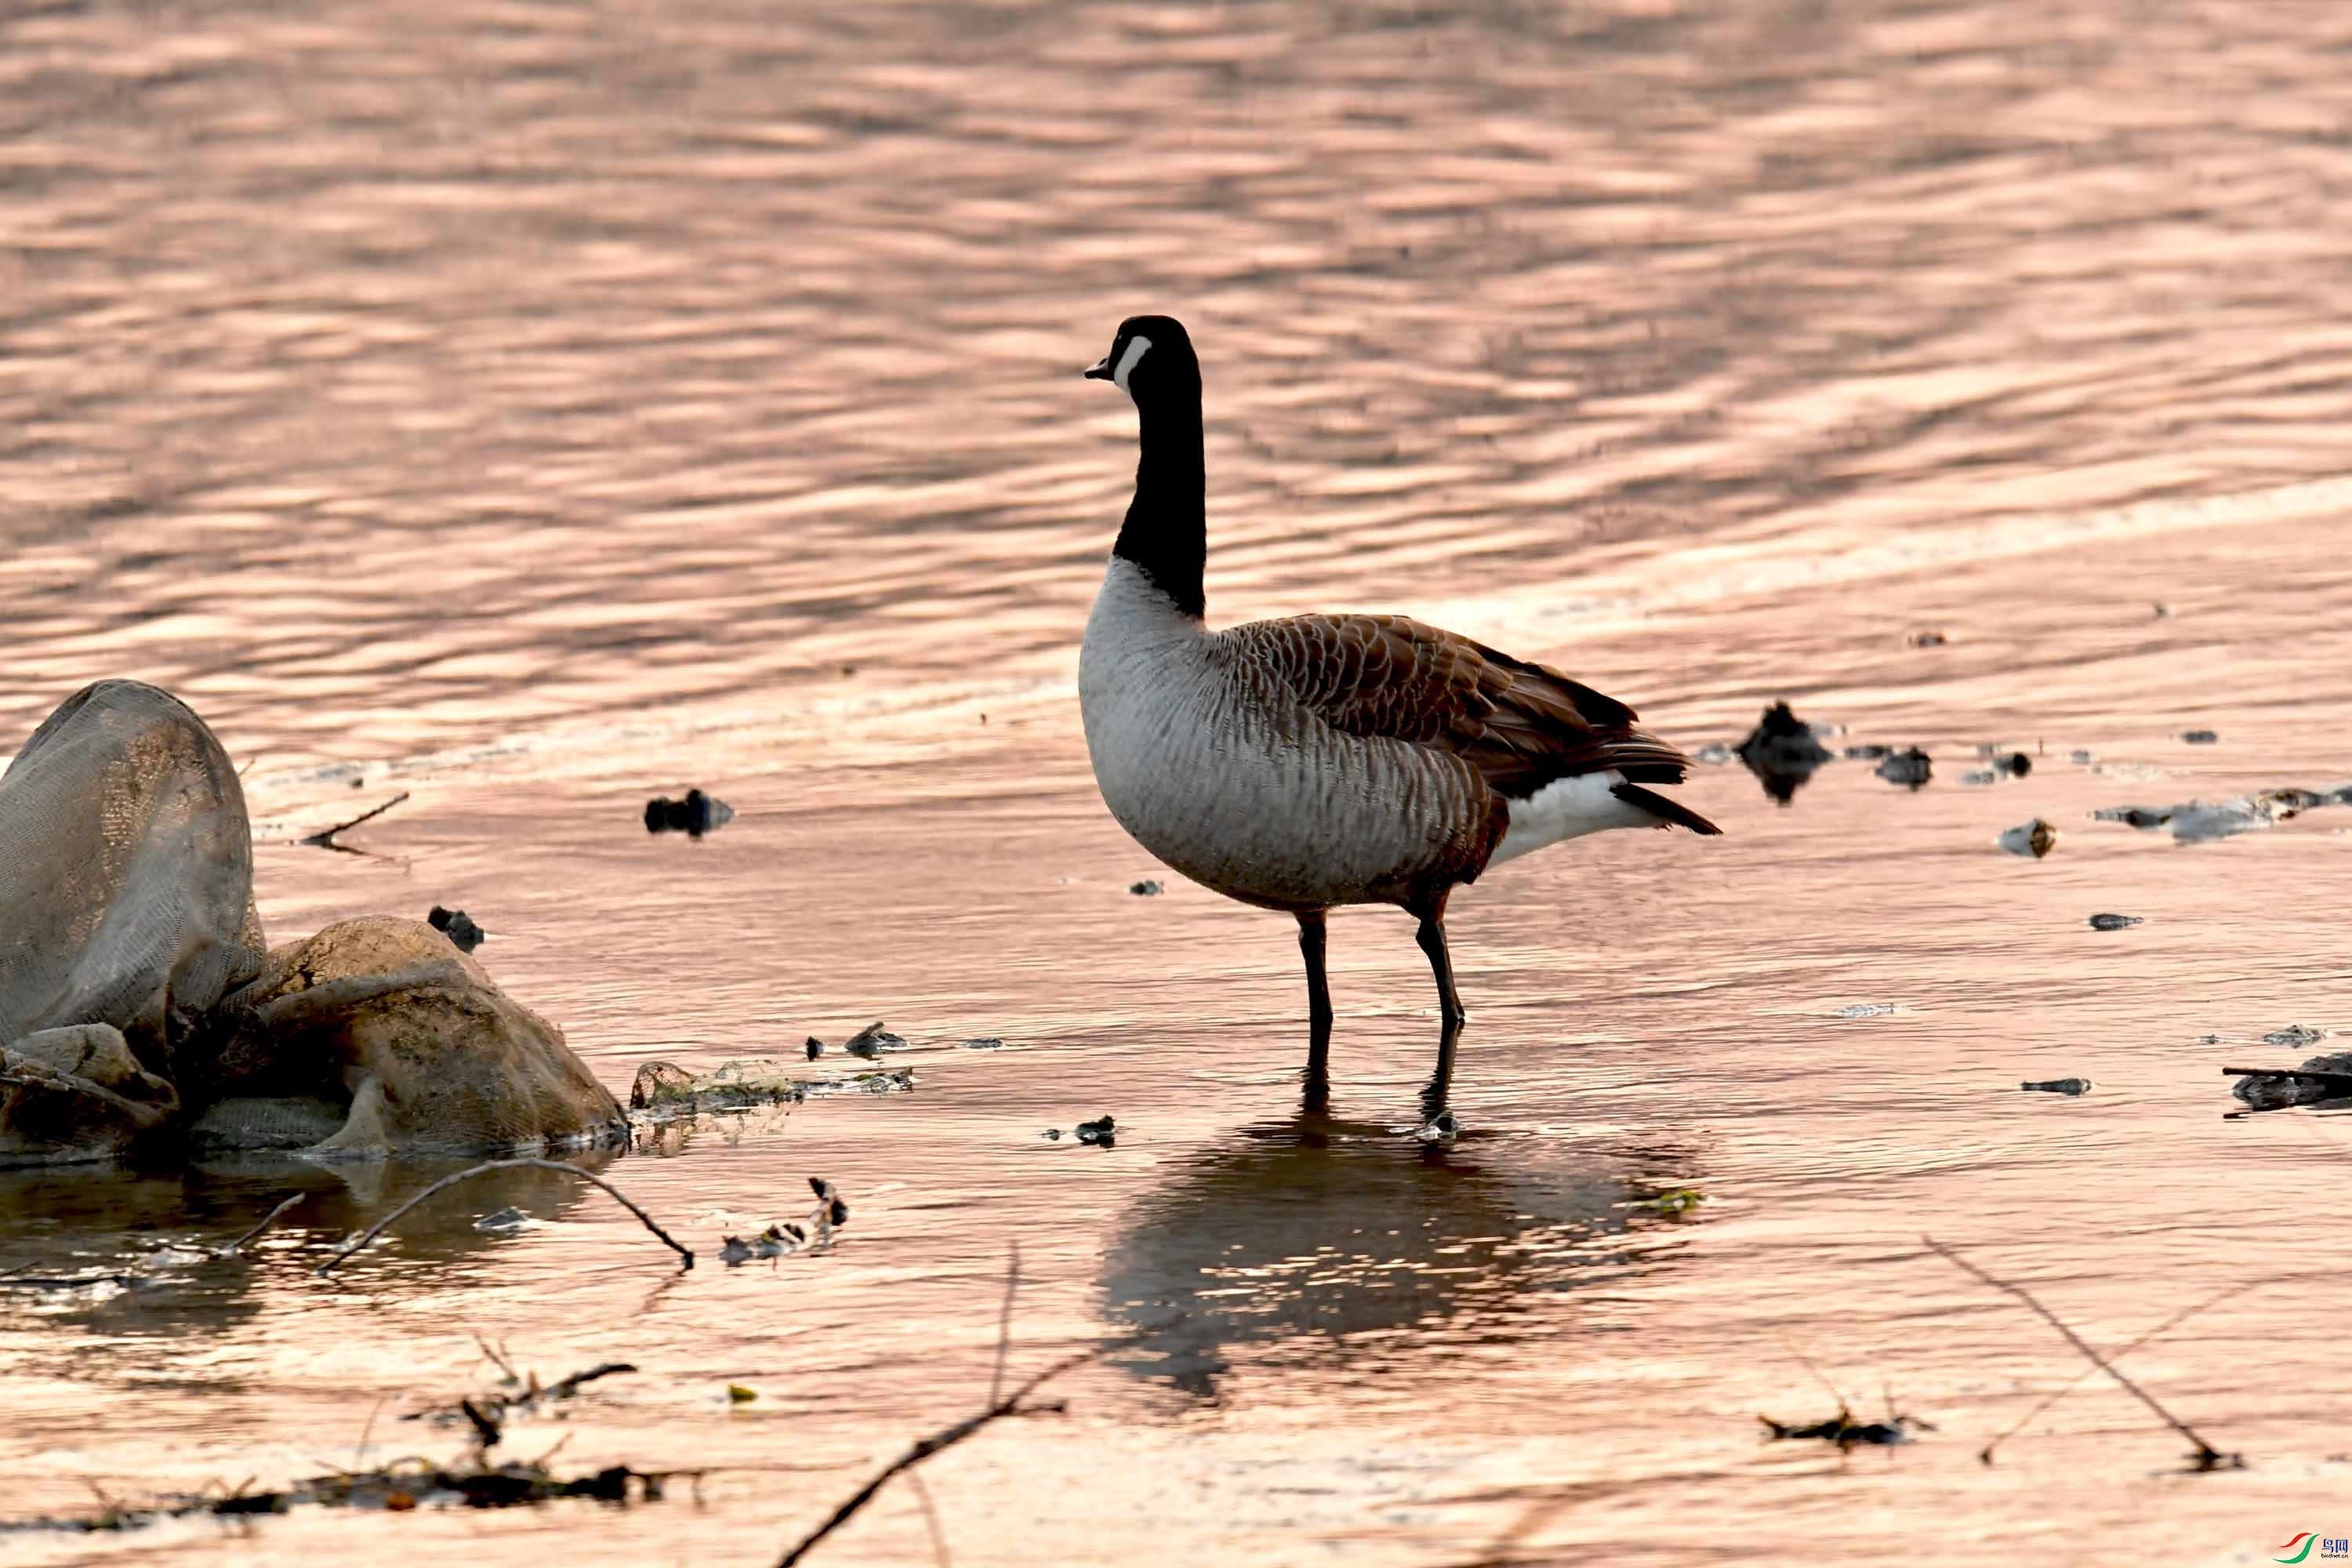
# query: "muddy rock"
[[2276, 1091], [76, 1093], [457, 926], [413, 1042]]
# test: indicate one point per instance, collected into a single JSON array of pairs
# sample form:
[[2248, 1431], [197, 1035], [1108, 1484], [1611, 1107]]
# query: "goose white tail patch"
[[1136, 348], [1568, 808]]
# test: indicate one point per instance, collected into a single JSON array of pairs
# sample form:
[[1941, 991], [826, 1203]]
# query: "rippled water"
[[538, 407]]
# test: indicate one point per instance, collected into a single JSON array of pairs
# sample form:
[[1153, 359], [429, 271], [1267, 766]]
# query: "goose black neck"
[[1167, 530]]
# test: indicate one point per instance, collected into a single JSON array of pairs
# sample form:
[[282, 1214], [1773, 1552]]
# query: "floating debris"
[[695, 815], [897, 1081], [2058, 1085], [2198, 737], [1103, 1133], [2080, 758], [457, 926], [1051, 1136], [2034, 840], [2018, 765], [1439, 1128], [815, 1046], [785, 1237], [2116, 922], [1782, 751], [1927, 639], [1678, 1201], [738, 1394], [2163, 611], [873, 1041], [1867, 1010], [1910, 768], [1979, 777], [2200, 822], [1845, 1432], [1146, 889], [668, 1091], [981, 1043], [2295, 1035], [1870, 752], [2320, 1080]]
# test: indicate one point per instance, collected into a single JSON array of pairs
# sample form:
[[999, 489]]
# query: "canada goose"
[[1305, 764]]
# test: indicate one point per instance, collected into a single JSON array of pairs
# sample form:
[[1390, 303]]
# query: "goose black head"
[[1151, 359]]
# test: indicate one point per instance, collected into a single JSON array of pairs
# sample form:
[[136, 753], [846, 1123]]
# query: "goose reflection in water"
[[1331, 1247]]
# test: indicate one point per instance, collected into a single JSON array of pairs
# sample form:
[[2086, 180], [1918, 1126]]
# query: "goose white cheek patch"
[[1128, 361]]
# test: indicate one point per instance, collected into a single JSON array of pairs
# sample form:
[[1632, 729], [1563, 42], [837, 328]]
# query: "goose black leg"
[[1317, 1078], [1432, 937]]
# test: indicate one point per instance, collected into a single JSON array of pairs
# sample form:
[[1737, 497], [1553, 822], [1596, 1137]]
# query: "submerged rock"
[[2034, 840], [1103, 1133], [2295, 1035], [1910, 768], [665, 1087], [1782, 751], [695, 815], [1147, 888]]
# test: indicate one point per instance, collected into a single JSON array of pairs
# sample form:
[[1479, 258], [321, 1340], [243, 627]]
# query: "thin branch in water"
[[2209, 1457], [1004, 1323], [1806, 1362], [2165, 1327], [520, 1163], [930, 1520], [233, 1248], [326, 838], [940, 1441]]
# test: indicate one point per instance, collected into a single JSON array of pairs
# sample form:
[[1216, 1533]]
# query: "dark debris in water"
[[457, 926], [2032, 839], [2320, 1080], [1842, 1430], [1782, 751], [1102, 1132], [2116, 922], [872, 1040], [1910, 768], [1147, 888], [786, 1237], [2058, 1085], [2198, 738], [695, 815]]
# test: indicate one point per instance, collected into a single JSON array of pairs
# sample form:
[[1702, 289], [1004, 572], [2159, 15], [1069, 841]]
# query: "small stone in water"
[[2017, 763], [2114, 922], [505, 1219], [1868, 753], [1980, 778], [1865, 1010], [2059, 1086], [981, 1043], [695, 815], [1104, 1131], [815, 1048], [2198, 737], [2035, 838], [2295, 1035], [1145, 889], [1927, 639], [1053, 1134]]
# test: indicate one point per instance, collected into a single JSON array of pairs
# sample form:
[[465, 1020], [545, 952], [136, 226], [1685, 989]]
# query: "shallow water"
[[537, 409]]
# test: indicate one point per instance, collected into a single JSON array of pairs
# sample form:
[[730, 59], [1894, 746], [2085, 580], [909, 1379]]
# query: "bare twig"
[[2165, 1327], [1004, 1323], [325, 840], [233, 1248], [514, 1164], [930, 1520], [937, 1442], [63, 1281], [2209, 1457]]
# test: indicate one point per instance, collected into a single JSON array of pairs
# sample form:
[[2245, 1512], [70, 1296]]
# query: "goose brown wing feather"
[[1521, 725]]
